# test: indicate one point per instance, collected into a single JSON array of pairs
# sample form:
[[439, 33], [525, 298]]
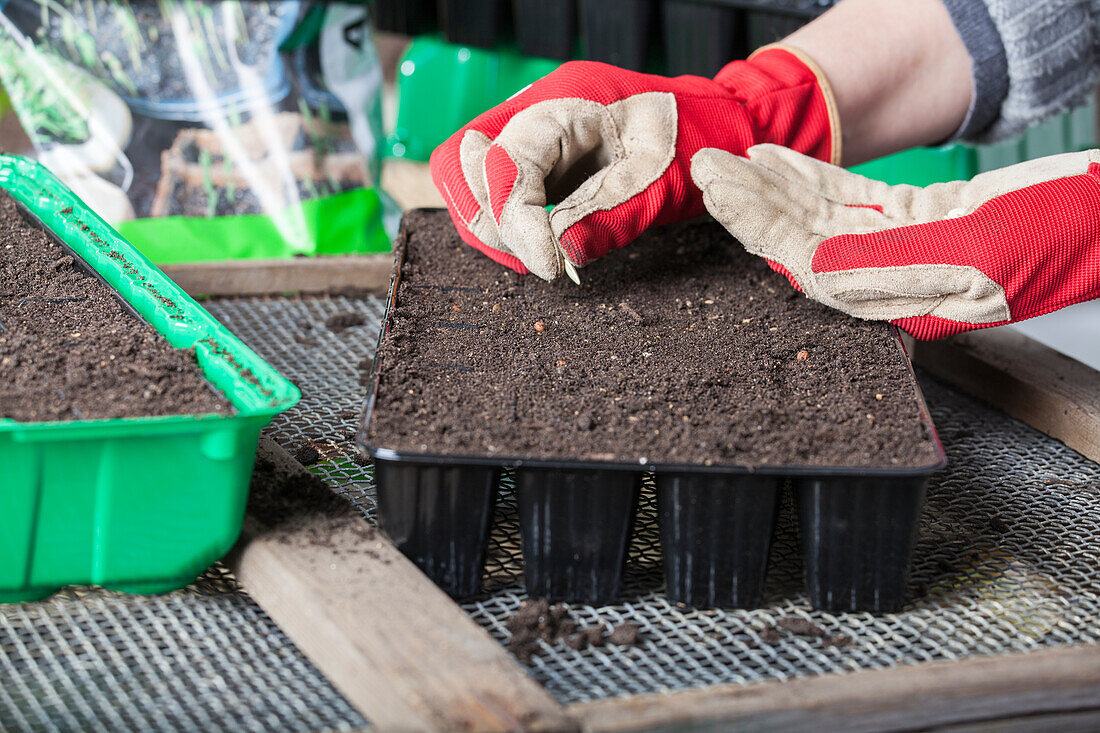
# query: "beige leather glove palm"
[[1009, 244]]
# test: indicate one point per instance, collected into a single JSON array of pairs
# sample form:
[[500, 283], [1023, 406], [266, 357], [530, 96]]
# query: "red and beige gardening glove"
[[1008, 245], [611, 150]]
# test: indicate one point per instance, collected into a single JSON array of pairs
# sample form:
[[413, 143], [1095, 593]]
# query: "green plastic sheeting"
[[442, 86], [346, 223]]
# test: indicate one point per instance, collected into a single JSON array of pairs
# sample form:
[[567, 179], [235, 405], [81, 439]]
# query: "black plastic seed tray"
[[765, 28], [408, 17], [858, 525], [618, 32], [546, 28], [474, 22], [804, 9], [701, 38], [672, 36]]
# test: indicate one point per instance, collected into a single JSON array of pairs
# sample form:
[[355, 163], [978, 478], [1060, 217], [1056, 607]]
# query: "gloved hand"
[[1010, 244], [612, 148]]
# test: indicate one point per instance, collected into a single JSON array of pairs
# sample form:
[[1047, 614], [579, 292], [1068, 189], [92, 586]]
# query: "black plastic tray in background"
[[408, 17], [670, 36], [475, 22], [546, 28], [764, 28], [858, 526], [701, 38], [618, 31]]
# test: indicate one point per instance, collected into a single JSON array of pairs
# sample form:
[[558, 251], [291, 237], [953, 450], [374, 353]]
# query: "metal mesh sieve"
[[1008, 557], [1008, 560]]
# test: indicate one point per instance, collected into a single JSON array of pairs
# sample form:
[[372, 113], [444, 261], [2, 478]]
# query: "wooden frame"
[[914, 697], [402, 652], [1046, 389], [273, 277]]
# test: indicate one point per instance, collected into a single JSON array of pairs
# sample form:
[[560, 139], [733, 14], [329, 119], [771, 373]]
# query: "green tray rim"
[[254, 387]]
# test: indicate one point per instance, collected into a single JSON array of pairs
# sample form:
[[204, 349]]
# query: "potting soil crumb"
[[340, 321], [770, 635], [800, 626], [837, 640], [590, 636], [537, 621], [625, 634], [678, 349], [307, 455], [68, 350]]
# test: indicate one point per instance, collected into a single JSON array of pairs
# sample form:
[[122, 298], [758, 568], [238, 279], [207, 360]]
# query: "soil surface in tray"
[[679, 349], [69, 351]]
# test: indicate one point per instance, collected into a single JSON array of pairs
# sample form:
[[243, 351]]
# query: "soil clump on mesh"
[[537, 621], [68, 348], [680, 348]]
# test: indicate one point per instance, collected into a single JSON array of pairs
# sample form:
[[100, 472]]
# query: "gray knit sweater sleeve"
[[1031, 60]]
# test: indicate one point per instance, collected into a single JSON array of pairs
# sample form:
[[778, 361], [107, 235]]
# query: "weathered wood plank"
[[1032, 382], [295, 275], [913, 697], [410, 184], [401, 651]]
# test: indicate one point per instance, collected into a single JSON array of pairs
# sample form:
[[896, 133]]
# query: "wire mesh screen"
[[1008, 560], [204, 659], [327, 366], [1008, 557]]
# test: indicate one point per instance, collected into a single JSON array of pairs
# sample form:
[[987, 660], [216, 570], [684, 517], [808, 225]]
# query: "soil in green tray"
[[68, 350], [679, 349]]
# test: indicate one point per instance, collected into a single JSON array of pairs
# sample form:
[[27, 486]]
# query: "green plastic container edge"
[[254, 388], [442, 86]]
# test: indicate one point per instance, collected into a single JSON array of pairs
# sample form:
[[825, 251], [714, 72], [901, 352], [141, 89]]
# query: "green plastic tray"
[[441, 86], [141, 505], [923, 166]]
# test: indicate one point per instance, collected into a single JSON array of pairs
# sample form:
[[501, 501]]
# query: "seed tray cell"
[[139, 504], [474, 22], [576, 514], [804, 9]]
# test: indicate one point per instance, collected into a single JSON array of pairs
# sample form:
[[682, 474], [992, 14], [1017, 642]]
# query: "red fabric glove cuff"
[[790, 99]]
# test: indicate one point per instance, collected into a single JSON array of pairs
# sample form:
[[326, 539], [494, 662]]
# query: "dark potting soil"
[[340, 322], [69, 351], [773, 634], [307, 455], [680, 349], [297, 508]]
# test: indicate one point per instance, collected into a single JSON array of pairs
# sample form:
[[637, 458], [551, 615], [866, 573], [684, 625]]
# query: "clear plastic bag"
[[207, 129]]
